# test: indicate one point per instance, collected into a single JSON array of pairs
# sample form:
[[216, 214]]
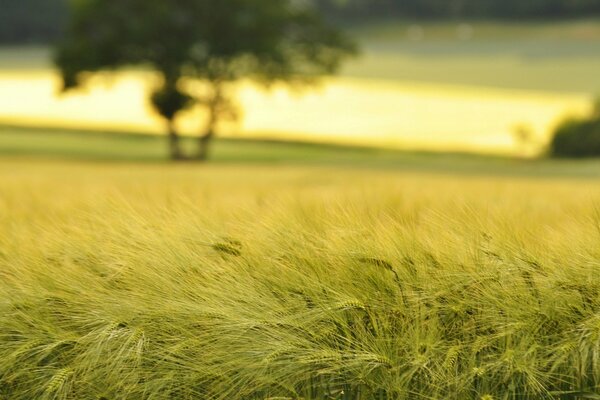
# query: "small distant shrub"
[[578, 137]]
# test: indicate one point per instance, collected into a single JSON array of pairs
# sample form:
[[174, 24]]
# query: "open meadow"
[[315, 280]]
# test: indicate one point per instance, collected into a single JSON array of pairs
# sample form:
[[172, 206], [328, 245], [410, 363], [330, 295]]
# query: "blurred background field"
[[483, 81]]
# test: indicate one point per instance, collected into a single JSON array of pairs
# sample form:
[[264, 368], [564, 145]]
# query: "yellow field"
[[130, 281], [343, 110]]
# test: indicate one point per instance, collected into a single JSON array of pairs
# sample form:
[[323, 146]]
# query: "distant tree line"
[[32, 21], [42, 21], [360, 9]]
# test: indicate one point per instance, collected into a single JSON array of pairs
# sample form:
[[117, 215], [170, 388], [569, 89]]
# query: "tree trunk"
[[204, 145], [209, 132], [174, 149]]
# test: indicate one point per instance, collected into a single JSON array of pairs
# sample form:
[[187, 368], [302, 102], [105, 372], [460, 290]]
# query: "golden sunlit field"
[[151, 281], [367, 111]]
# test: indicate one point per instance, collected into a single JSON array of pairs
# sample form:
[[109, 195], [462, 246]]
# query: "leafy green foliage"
[[168, 100], [578, 137]]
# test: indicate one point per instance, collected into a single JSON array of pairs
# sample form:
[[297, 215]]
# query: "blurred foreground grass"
[[250, 281]]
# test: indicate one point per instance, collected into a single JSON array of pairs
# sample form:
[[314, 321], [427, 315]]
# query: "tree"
[[216, 42], [578, 137]]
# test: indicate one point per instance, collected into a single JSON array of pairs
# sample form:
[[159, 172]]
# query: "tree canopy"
[[213, 41], [43, 21]]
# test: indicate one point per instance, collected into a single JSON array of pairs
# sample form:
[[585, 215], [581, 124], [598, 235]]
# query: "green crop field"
[[345, 273]]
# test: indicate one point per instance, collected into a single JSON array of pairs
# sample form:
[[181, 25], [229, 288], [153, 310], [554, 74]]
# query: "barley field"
[[131, 280]]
